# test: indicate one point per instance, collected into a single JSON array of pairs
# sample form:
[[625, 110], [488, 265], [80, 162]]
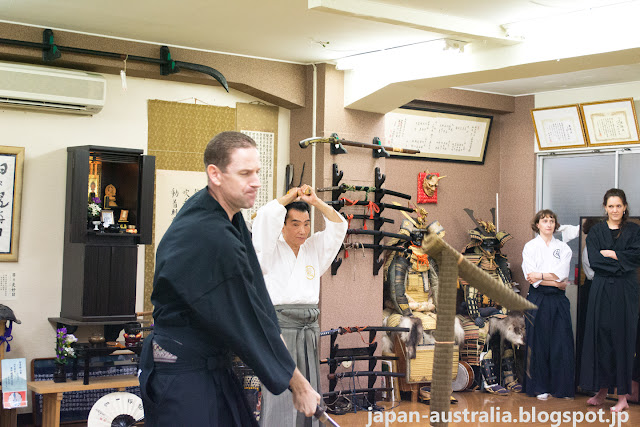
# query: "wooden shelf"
[[72, 322], [48, 387]]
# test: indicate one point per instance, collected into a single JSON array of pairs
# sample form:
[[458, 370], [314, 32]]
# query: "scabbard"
[[343, 331], [381, 206], [354, 358], [356, 391], [380, 233], [360, 216], [343, 188], [339, 375], [372, 246]]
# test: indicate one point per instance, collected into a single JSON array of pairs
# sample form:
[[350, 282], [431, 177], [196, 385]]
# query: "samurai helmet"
[[7, 314], [486, 234]]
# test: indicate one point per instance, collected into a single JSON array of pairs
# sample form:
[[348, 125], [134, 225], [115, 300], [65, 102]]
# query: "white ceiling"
[[311, 31]]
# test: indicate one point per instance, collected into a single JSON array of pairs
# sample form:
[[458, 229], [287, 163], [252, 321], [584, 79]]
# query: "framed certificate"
[[558, 127], [610, 122]]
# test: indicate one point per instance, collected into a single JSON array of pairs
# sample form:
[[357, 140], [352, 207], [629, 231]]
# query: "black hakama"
[[550, 357], [209, 301], [612, 313]]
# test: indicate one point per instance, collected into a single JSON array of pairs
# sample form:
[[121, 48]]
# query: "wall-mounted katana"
[[380, 206], [338, 375], [385, 234], [343, 188], [365, 217], [337, 143]]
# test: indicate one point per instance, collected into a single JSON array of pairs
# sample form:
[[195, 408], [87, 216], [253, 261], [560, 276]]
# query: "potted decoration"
[[93, 212], [64, 352]]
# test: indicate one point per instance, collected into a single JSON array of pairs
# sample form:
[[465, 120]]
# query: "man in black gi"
[[210, 300]]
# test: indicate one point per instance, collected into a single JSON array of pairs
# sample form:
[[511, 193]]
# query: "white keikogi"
[[291, 279], [555, 258]]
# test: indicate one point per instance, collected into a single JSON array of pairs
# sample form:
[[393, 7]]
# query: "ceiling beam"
[[386, 97], [460, 28]]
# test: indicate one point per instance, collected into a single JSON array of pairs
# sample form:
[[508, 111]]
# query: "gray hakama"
[[300, 330]]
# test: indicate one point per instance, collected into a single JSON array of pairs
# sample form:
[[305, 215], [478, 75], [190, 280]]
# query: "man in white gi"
[[292, 263]]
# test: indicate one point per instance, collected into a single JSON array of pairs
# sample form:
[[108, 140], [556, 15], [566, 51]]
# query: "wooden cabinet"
[[100, 268]]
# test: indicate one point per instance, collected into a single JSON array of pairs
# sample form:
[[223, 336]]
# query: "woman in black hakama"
[[612, 314]]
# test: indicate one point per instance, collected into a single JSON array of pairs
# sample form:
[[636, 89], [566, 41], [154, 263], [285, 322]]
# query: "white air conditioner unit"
[[51, 89]]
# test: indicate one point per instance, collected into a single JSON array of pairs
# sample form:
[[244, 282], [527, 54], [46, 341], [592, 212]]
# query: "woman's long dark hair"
[[616, 192]]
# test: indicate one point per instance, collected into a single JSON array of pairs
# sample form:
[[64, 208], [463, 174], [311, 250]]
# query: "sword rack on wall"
[[376, 206], [339, 355]]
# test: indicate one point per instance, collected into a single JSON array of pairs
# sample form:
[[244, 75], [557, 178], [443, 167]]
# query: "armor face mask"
[[491, 244]]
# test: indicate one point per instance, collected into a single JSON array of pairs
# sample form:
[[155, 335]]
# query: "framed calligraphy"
[[438, 135], [611, 122], [11, 166], [558, 127]]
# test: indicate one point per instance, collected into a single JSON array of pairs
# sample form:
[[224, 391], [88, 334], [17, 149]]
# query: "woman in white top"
[[550, 358]]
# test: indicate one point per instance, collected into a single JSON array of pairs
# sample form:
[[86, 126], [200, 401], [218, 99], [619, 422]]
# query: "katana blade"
[[325, 419]]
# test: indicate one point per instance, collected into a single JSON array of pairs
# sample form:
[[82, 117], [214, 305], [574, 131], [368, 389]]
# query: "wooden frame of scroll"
[[11, 166], [610, 122], [558, 127], [439, 135]]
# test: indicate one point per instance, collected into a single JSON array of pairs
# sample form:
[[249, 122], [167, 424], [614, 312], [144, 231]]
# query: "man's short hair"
[[297, 206], [544, 213], [218, 151]]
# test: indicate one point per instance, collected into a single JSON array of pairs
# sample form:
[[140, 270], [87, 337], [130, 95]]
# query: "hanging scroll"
[[265, 142], [173, 188], [11, 162], [438, 135]]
